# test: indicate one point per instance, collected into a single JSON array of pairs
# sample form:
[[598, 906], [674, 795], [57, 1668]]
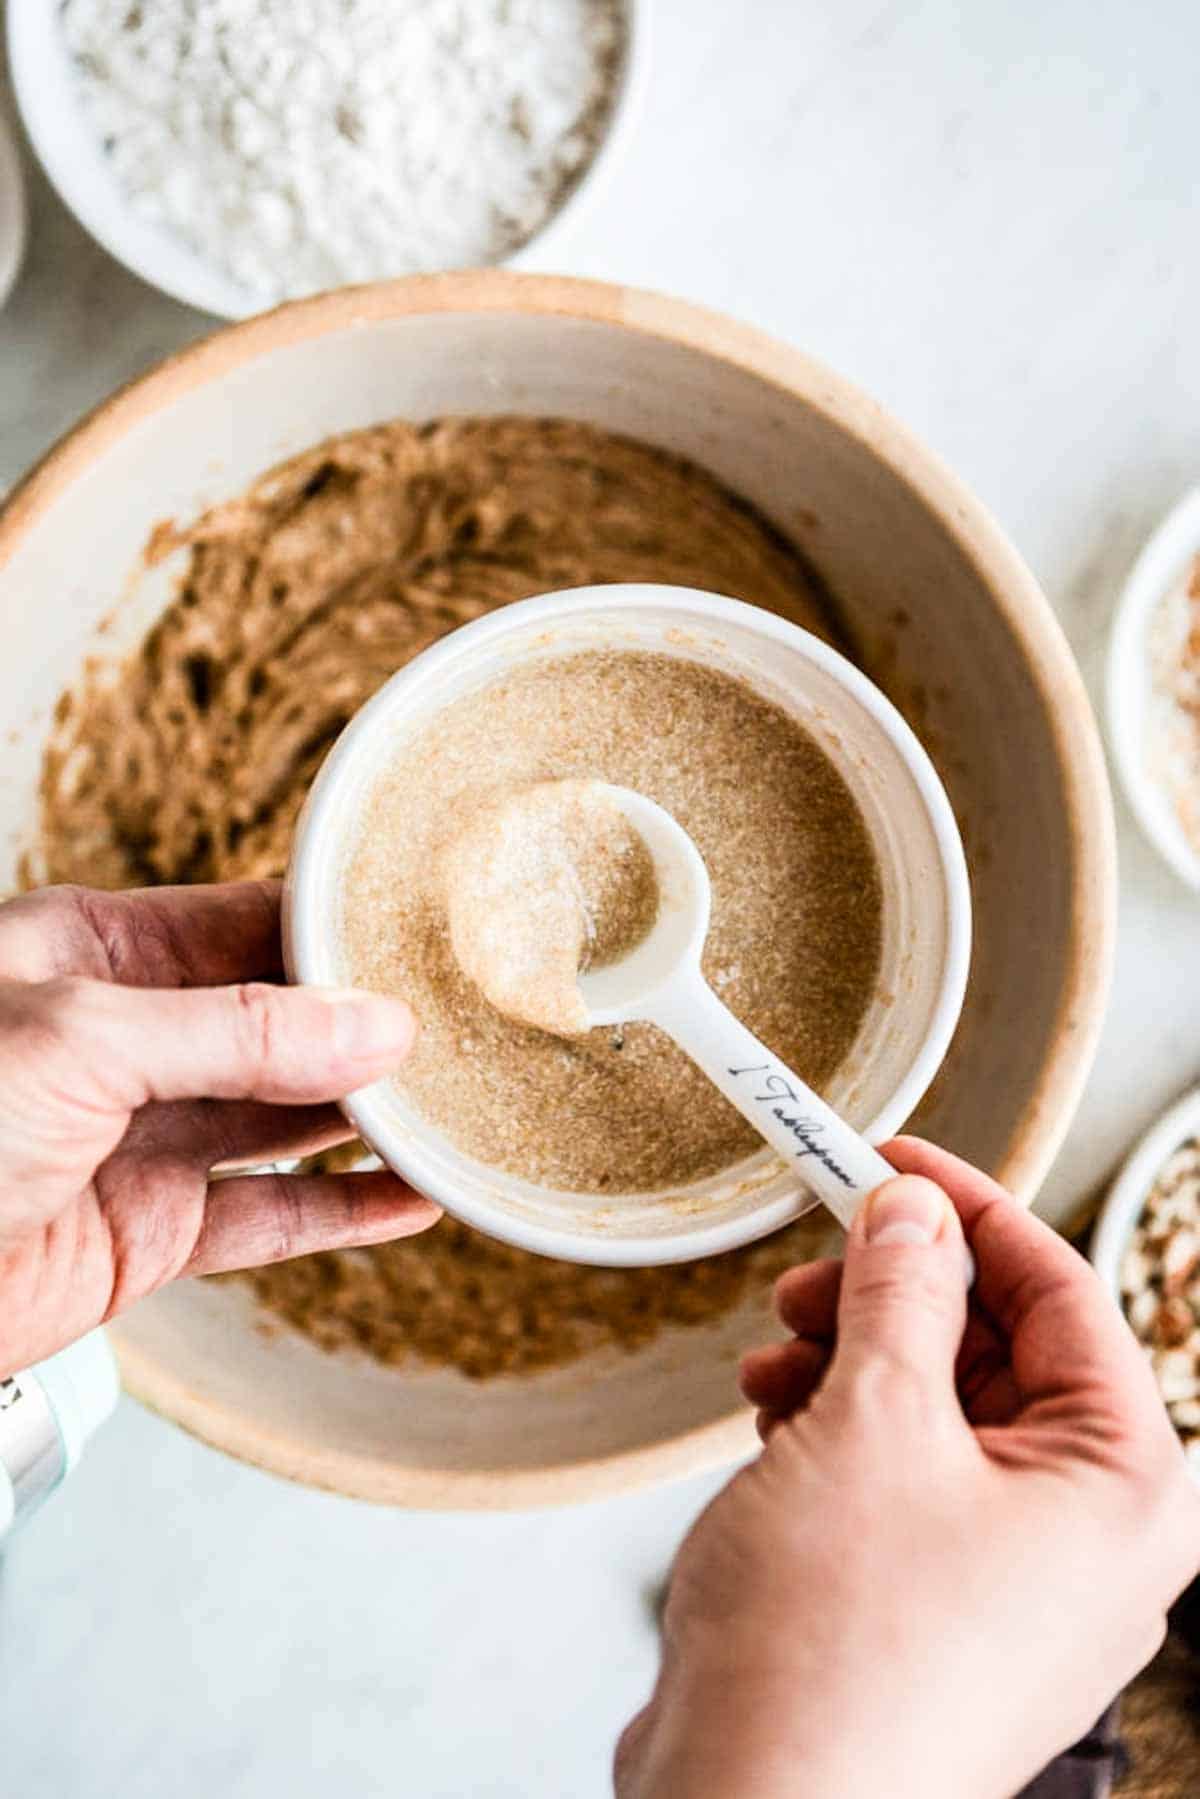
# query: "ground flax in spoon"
[[190, 760], [541, 884]]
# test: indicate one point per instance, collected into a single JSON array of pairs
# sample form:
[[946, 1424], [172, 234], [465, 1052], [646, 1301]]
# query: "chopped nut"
[[1142, 1312], [1181, 1258], [1178, 1375], [1135, 1269], [1174, 1325], [1160, 1288]]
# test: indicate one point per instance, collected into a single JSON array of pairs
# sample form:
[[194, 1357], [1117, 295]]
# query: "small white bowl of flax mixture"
[[1154, 689], [840, 927]]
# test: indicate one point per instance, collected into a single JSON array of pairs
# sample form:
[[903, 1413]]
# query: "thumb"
[[904, 1292], [288, 1045]]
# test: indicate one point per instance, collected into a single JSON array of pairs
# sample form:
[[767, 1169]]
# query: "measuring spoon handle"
[[828, 1154]]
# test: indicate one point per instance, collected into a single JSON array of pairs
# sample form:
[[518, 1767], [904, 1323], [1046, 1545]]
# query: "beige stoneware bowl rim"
[[979, 540]]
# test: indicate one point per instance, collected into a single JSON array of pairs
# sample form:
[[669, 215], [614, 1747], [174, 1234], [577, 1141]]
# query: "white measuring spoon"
[[660, 980]]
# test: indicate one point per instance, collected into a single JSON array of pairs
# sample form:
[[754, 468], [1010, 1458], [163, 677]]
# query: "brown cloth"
[[1147, 1744], [1160, 1714], [1089, 1770]]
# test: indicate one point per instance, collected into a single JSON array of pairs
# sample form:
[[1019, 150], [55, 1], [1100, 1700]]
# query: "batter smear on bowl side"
[[189, 760]]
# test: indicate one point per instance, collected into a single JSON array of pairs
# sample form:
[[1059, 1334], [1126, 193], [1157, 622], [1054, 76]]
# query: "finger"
[[983, 1373], [260, 1218], [234, 1133], [806, 1298], [126, 1046], [782, 1377], [1067, 1337], [903, 1296], [630, 1754], [1022, 1254], [766, 1421], [159, 937]]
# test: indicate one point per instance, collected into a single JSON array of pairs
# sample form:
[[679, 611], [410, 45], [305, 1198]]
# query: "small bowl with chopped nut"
[[237, 158], [1146, 1249]]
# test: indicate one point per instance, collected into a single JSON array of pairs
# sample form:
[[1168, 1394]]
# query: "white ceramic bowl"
[[1127, 1197], [926, 930], [66, 144], [1128, 1194], [1161, 565]]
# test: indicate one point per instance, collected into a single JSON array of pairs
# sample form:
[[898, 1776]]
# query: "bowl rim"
[[14, 208], [977, 537], [307, 934], [1126, 1197], [142, 248], [1160, 563]]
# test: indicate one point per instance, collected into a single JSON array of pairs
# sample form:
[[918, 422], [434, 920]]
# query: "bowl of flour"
[[240, 153]]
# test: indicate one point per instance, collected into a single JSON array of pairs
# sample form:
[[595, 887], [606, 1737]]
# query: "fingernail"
[[908, 1210], [368, 1026]]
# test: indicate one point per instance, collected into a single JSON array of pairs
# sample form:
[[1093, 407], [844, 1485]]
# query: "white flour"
[[300, 144]]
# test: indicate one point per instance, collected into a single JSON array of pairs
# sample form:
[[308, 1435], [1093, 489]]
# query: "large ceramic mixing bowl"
[[932, 600]]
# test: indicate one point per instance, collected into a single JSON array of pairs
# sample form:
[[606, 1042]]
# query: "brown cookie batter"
[[453, 1298], [334, 569], [189, 762]]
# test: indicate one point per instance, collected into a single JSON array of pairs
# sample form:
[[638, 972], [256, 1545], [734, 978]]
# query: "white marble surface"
[[985, 213]]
